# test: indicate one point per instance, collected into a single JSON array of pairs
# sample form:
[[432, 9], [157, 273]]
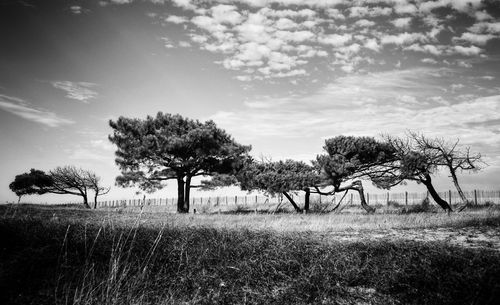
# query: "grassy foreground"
[[92, 258]]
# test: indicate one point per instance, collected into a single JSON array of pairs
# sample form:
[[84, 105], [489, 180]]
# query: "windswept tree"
[[450, 156], [349, 159], [412, 163], [94, 183], [281, 177], [71, 180], [66, 180], [171, 147], [35, 182]]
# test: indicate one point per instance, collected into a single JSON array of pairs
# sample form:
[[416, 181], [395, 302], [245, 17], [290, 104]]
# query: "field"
[[68, 255]]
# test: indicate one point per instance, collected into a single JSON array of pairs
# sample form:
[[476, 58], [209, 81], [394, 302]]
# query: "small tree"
[[280, 177], [34, 182], [94, 183], [412, 163], [70, 180], [157, 149], [62, 180], [450, 156], [350, 159]]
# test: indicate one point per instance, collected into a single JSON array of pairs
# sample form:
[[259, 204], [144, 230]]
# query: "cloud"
[[176, 19], [403, 7], [386, 102], [77, 90], [479, 39], [485, 27], [76, 9], [467, 51], [365, 23], [226, 14], [372, 44], [185, 4], [402, 22], [335, 40], [429, 61], [428, 48], [354, 35], [26, 111], [403, 38]]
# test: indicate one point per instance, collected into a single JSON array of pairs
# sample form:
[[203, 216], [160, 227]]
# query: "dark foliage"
[[34, 182], [167, 146]]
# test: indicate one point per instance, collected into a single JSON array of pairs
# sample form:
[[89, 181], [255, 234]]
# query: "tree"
[[281, 177], [62, 180], [34, 182], [157, 149], [94, 183], [348, 159], [450, 156], [412, 163], [70, 180]]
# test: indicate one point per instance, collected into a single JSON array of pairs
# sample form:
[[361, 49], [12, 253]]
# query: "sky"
[[280, 75]]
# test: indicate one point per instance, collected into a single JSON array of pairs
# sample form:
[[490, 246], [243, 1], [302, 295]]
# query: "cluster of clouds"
[[27, 111], [80, 91], [279, 38]]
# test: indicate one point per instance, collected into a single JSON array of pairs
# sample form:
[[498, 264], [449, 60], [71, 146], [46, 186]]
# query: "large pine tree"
[[156, 149]]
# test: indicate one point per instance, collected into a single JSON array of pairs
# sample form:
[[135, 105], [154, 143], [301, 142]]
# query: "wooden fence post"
[[235, 199], [367, 198], [406, 198], [449, 195], [475, 197], [387, 198]]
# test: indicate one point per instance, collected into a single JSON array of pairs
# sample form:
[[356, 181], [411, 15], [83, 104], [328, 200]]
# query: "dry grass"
[[281, 222], [74, 256]]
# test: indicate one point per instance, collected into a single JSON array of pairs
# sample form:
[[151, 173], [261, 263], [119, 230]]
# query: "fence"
[[407, 198]]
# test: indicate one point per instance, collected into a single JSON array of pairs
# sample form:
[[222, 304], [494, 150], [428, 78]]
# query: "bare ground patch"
[[468, 237]]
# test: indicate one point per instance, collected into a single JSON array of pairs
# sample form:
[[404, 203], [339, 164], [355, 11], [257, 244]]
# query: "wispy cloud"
[[27, 111], [386, 102], [80, 91]]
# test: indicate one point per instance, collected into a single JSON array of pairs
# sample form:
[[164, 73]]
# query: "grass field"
[[68, 255]]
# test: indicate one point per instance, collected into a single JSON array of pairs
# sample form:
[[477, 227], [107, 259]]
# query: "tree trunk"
[[295, 206], [441, 202], [187, 193], [180, 195], [19, 199], [86, 201], [358, 186], [307, 199], [95, 200], [465, 202]]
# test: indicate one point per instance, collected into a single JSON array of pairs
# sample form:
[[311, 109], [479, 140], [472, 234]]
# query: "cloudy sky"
[[281, 75]]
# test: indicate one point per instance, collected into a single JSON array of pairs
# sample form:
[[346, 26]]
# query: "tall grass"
[[49, 258]]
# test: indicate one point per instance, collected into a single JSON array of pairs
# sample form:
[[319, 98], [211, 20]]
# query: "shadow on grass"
[[58, 262]]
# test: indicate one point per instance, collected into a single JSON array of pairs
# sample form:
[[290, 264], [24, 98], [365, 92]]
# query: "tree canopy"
[[165, 147], [61, 180], [414, 161], [349, 159], [31, 183], [279, 177]]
